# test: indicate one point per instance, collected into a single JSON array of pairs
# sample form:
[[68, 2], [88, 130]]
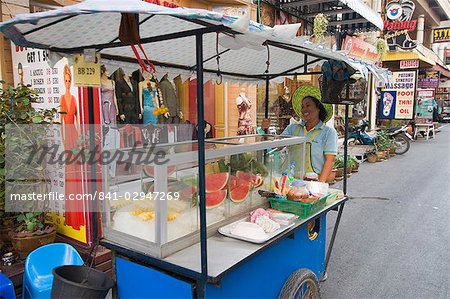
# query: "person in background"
[[321, 140]]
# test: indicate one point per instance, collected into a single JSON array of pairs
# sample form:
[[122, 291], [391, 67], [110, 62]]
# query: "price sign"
[[86, 73]]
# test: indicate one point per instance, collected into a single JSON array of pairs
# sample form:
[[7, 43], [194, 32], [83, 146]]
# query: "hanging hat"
[[309, 91]]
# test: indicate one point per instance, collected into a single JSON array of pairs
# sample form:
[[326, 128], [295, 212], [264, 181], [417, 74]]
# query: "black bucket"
[[80, 282]]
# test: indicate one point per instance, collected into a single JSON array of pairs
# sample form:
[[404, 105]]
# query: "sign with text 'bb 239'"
[[397, 97], [86, 73]]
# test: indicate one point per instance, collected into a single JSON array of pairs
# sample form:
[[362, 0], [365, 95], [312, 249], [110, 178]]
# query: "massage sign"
[[397, 97], [398, 24]]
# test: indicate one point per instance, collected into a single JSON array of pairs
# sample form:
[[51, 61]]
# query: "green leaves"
[[16, 109], [37, 119]]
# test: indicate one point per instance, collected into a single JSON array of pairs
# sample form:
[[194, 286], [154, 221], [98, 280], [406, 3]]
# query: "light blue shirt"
[[324, 143]]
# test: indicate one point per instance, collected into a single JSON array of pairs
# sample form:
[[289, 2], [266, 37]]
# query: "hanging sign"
[[429, 79], [409, 64], [86, 73], [441, 35], [424, 105], [397, 97], [398, 25], [354, 47]]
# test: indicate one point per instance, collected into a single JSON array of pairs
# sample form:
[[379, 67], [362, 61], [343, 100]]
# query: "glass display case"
[[153, 202]]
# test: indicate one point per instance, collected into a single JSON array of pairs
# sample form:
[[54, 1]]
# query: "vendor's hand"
[[180, 115], [122, 117], [265, 124], [166, 115], [140, 116]]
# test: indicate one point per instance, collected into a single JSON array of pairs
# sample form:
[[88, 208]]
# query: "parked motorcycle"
[[399, 134]]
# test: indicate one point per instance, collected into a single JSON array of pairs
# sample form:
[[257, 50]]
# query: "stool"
[[38, 276], [427, 129], [6, 287]]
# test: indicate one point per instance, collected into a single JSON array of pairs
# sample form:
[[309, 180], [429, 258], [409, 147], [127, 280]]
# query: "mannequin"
[[148, 101], [283, 109], [245, 120], [129, 110], [136, 78], [109, 100], [171, 100]]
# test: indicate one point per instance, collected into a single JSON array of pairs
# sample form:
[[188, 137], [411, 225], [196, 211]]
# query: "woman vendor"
[[321, 140]]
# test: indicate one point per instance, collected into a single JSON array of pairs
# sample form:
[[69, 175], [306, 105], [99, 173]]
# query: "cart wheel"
[[301, 284]]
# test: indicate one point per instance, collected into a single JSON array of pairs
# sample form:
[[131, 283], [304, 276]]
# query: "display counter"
[[153, 208]]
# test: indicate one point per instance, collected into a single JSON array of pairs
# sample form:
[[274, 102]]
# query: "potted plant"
[[372, 156], [338, 167], [353, 162], [31, 233], [29, 230], [392, 149], [383, 144]]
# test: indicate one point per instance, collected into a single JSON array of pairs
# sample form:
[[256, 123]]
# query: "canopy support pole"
[[266, 101], [346, 142], [201, 166]]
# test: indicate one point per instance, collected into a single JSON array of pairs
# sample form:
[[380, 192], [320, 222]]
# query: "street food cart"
[[176, 249]]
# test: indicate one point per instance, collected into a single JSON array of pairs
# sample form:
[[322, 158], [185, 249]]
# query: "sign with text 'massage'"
[[397, 97]]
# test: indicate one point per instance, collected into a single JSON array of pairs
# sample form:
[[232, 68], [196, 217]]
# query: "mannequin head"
[[119, 74], [104, 73]]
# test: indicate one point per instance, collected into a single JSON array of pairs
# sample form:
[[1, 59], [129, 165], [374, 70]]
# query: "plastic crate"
[[303, 210]]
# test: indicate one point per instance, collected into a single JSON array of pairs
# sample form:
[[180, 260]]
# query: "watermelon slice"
[[240, 193], [233, 182], [215, 182], [186, 192], [150, 170], [255, 180], [215, 199]]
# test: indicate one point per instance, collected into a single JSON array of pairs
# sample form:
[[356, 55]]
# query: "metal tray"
[[226, 231]]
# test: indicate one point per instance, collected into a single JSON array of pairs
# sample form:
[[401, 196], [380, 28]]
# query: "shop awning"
[[442, 70], [404, 55], [355, 14], [168, 38]]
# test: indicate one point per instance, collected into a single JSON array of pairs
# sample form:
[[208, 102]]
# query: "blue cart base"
[[260, 276]]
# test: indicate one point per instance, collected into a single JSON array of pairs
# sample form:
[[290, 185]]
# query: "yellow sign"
[[441, 35], [68, 231], [86, 73]]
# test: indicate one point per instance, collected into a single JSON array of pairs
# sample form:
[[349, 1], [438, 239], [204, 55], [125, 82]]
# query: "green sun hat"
[[309, 91]]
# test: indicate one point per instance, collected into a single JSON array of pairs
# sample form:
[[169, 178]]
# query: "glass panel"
[[159, 203]]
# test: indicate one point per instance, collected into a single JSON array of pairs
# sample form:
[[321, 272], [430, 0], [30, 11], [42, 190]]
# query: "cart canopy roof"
[[247, 51]]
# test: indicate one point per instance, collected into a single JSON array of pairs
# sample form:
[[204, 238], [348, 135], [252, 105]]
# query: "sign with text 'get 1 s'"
[[86, 73], [397, 98]]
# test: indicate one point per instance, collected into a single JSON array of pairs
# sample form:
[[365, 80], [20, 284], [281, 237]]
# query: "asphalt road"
[[394, 236]]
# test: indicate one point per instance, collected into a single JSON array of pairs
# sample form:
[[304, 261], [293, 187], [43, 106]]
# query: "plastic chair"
[[37, 276], [6, 288]]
